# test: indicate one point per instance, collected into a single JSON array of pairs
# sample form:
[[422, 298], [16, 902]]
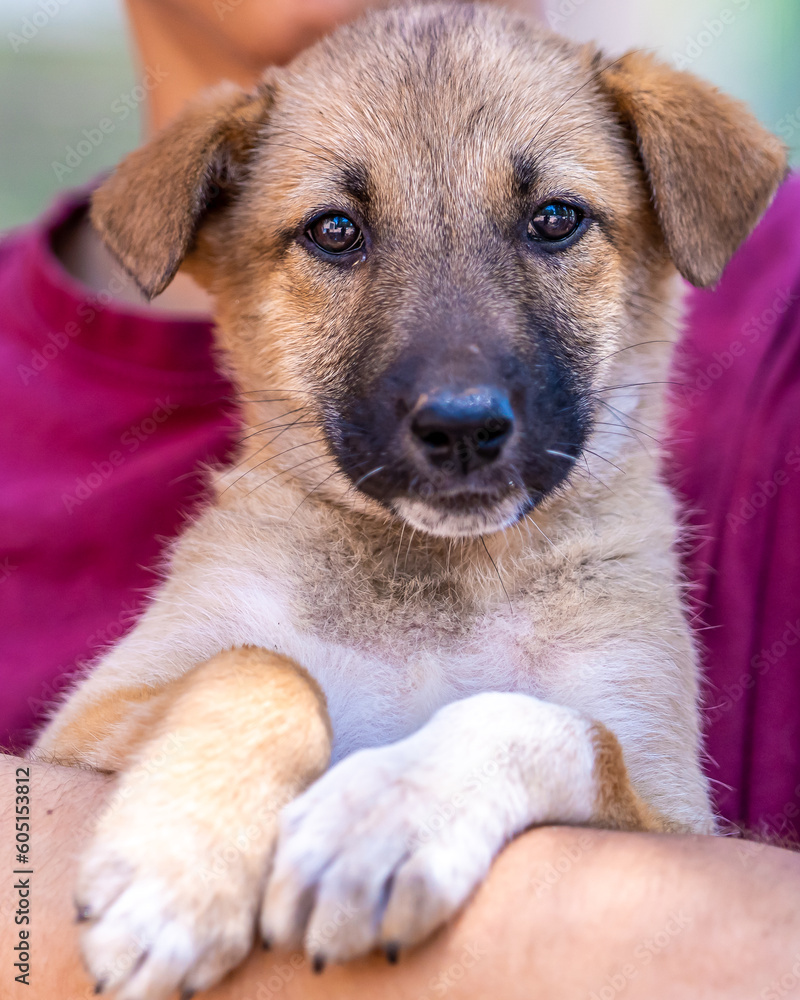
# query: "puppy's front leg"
[[390, 843], [171, 885]]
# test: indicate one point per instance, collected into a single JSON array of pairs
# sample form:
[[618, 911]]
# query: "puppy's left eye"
[[334, 233], [555, 221]]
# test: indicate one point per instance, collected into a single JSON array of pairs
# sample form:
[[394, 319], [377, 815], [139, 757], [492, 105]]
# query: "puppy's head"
[[439, 228]]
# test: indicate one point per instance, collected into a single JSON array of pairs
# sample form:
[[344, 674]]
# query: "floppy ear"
[[711, 166], [150, 208]]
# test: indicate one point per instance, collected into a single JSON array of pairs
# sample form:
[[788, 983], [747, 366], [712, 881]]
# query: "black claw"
[[187, 994], [318, 963], [83, 913], [99, 986], [392, 952]]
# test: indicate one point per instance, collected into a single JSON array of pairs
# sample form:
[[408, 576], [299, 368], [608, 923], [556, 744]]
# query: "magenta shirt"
[[735, 460], [106, 413]]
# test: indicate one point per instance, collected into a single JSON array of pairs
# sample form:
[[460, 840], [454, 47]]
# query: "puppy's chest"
[[381, 691], [388, 660]]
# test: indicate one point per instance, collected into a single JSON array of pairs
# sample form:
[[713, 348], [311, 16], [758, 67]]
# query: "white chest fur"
[[384, 687]]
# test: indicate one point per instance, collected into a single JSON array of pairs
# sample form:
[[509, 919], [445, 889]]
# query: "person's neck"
[[83, 255], [177, 59], [184, 56]]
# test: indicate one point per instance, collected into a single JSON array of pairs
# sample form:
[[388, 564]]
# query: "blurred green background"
[[66, 64]]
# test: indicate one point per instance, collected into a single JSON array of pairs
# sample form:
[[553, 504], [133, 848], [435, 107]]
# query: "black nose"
[[461, 431]]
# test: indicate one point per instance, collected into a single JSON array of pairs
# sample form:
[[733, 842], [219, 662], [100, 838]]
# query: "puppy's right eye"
[[554, 222], [335, 234]]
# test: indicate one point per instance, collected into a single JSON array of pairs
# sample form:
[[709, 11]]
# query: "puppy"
[[443, 245]]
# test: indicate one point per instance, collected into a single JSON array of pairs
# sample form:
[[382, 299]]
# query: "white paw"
[[168, 903], [391, 842]]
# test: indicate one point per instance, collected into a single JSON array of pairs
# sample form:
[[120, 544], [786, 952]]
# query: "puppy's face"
[[436, 236], [441, 260]]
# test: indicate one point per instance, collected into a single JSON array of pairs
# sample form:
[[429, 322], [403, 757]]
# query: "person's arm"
[[567, 913]]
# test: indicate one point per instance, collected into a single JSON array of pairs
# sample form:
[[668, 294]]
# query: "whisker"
[[285, 472], [604, 459], [374, 472], [276, 427], [399, 546], [268, 424], [597, 478], [302, 149], [621, 417], [266, 461], [660, 301], [630, 347], [626, 432], [580, 127], [633, 431], [619, 428], [321, 483], [332, 158], [497, 571], [408, 550], [656, 314], [591, 79], [292, 391], [529, 517], [635, 385], [239, 397], [251, 455], [561, 454]]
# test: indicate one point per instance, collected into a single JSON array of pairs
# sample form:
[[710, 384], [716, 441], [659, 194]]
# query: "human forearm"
[[63, 804], [566, 913]]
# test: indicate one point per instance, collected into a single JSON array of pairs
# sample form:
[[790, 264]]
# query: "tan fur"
[[561, 633], [250, 728], [711, 165], [105, 733], [205, 150], [617, 806]]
